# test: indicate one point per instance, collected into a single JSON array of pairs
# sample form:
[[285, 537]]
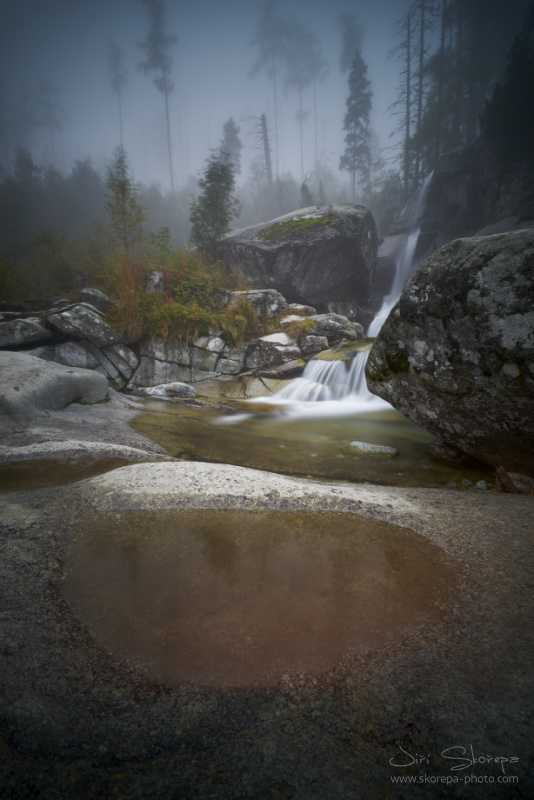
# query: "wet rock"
[[365, 449], [174, 389], [444, 452], [203, 375], [203, 359], [336, 327], [304, 311], [271, 350], [265, 302], [313, 344], [17, 332], [456, 354], [31, 385], [290, 253], [152, 372], [174, 351], [214, 344], [81, 321], [70, 354], [96, 298], [291, 369], [229, 367], [122, 358]]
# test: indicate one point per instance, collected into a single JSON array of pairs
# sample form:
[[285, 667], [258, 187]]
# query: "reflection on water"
[[240, 598], [314, 447], [46, 472]]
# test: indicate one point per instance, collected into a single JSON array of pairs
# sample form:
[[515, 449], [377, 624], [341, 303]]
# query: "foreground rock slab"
[[78, 722], [456, 354]]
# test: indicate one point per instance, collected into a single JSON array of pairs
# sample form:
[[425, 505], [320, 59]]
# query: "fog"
[[65, 42]]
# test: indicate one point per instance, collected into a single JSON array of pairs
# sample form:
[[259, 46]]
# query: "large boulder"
[[312, 256], [456, 354], [31, 385]]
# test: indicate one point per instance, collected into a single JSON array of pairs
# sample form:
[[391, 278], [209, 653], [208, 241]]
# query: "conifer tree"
[[126, 214], [356, 159], [231, 144], [212, 211], [158, 60], [117, 77]]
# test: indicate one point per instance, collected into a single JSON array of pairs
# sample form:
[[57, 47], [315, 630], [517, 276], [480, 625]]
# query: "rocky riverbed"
[[81, 720]]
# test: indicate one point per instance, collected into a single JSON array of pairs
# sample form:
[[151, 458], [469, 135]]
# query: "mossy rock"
[[296, 227]]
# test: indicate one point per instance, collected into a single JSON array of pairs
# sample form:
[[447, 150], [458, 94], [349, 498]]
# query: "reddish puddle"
[[240, 598]]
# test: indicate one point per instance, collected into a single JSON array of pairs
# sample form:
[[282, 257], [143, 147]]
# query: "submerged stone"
[[373, 449]]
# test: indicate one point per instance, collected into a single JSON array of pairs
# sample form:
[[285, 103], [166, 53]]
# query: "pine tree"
[[117, 77], [158, 60], [304, 65], [356, 159], [231, 144], [48, 112], [124, 208], [212, 211], [271, 40]]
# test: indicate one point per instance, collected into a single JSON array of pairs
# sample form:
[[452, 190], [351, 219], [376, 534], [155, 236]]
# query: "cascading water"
[[340, 386], [403, 262]]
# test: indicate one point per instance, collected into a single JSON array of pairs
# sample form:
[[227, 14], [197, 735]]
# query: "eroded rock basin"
[[80, 718], [242, 598]]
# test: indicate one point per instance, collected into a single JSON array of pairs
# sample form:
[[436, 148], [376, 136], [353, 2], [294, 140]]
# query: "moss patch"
[[295, 226]]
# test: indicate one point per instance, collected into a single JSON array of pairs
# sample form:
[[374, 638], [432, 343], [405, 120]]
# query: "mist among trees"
[[458, 68]]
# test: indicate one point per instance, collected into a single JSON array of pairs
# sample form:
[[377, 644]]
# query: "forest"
[[464, 70]]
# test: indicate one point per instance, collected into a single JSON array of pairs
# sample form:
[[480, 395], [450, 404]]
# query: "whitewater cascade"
[[404, 261], [340, 386]]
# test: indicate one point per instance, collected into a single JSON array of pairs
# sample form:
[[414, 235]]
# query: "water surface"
[[313, 446], [240, 598]]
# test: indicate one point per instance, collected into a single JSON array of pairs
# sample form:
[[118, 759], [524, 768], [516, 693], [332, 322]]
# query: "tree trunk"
[[266, 150], [171, 170], [441, 80], [407, 125]]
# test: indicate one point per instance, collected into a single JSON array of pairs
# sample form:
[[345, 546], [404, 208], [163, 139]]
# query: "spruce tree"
[[158, 60], [126, 214], [212, 211], [356, 160], [231, 144]]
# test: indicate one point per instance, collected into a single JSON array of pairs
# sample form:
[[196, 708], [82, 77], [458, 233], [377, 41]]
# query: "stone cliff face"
[[456, 354], [324, 257], [473, 191]]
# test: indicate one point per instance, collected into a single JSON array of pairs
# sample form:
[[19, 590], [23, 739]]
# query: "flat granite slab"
[[447, 707]]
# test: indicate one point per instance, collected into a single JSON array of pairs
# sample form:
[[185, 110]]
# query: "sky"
[[66, 43]]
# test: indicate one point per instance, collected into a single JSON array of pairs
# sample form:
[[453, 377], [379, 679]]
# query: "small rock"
[[96, 298], [373, 449], [483, 485], [154, 282], [174, 389]]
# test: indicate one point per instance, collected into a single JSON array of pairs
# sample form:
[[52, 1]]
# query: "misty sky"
[[65, 42]]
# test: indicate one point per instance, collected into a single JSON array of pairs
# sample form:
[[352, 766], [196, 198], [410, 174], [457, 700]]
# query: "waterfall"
[[329, 388], [333, 388], [329, 380], [404, 261]]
